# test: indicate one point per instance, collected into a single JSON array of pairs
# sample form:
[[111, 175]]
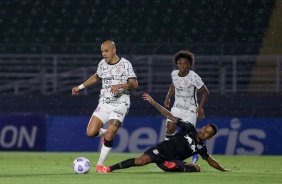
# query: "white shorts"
[[186, 115], [105, 112]]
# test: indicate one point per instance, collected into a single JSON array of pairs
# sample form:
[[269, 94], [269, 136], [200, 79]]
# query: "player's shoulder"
[[123, 60], [175, 72], [102, 62], [192, 73]]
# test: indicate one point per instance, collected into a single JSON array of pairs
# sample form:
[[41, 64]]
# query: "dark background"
[[137, 27]]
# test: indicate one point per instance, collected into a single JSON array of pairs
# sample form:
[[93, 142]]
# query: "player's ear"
[[114, 50]]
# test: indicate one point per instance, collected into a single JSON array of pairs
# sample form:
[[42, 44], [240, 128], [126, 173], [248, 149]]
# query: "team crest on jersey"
[[155, 151], [118, 69]]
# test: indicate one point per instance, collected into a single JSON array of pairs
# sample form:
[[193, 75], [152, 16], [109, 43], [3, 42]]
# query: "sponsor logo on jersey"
[[119, 69]]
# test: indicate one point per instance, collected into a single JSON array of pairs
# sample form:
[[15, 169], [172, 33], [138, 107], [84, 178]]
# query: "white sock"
[[168, 136], [103, 155], [102, 132]]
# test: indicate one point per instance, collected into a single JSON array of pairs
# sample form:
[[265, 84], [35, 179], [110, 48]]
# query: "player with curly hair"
[[185, 85]]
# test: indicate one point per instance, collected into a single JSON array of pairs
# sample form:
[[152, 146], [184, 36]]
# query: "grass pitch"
[[53, 167]]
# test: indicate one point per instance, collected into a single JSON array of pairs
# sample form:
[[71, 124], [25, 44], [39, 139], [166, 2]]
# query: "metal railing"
[[139, 48], [49, 74]]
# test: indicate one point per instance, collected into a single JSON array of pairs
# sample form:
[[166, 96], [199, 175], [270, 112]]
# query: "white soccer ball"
[[81, 165]]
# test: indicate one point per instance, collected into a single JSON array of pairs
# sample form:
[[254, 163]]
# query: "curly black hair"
[[184, 54]]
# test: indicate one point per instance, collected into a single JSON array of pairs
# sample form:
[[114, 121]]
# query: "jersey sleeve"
[[197, 82], [99, 69], [131, 73], [204, 153]]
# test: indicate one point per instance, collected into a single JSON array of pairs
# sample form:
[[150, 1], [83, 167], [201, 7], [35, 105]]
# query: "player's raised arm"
[[212, 162], [93, 79], [160, 108]]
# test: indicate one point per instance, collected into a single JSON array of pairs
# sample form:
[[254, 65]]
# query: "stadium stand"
[[46, 44], [139, 28], [263, 73], [166, 25]]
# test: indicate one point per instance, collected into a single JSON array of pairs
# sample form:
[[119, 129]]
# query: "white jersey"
[[186, 90], [113, 74]]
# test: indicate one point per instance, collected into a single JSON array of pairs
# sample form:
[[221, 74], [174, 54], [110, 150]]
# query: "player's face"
[[108, 52], [183, 65], [205, 132]]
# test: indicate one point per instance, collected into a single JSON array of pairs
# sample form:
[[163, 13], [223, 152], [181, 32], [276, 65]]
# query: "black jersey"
[[181, 146]]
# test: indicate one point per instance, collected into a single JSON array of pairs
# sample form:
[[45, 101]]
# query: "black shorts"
[[157, 154]]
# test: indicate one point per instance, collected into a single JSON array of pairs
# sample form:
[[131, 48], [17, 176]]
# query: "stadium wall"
[[39, 132], [217, 106]]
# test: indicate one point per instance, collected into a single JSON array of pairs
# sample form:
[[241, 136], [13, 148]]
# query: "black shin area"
[[108, 144], [124, 164]]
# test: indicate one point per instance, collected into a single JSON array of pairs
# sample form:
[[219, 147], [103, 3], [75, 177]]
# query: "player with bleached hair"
[[118, 78], [185, 86]]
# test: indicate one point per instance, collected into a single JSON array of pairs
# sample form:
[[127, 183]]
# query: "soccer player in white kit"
[[118, 78], [185, 85]]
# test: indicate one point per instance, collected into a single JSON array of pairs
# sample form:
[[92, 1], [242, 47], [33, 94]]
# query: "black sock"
[[124, 164]]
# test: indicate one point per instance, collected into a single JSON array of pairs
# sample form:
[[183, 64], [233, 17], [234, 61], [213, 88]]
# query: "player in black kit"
[[169, 154]]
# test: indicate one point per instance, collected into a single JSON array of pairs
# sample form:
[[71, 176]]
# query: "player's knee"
[[139, 162], [91, 134], [143, 160]]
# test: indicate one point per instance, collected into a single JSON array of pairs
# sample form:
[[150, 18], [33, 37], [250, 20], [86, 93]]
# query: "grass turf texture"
[[46, 167]]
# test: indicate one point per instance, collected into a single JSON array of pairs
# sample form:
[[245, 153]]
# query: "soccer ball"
[[81, 165]]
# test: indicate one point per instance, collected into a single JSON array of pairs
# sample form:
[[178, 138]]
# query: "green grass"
[[41, 168]]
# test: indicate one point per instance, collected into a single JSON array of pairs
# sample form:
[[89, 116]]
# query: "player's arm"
[[212, 162], [160, 108], [91, 80], [204, 95], [170, 93], [130, 85]]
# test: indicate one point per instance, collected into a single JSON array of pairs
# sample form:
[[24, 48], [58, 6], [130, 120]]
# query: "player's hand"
[[115, 88], [167, 103], [201, 113], [75, 90], [148, 98]]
